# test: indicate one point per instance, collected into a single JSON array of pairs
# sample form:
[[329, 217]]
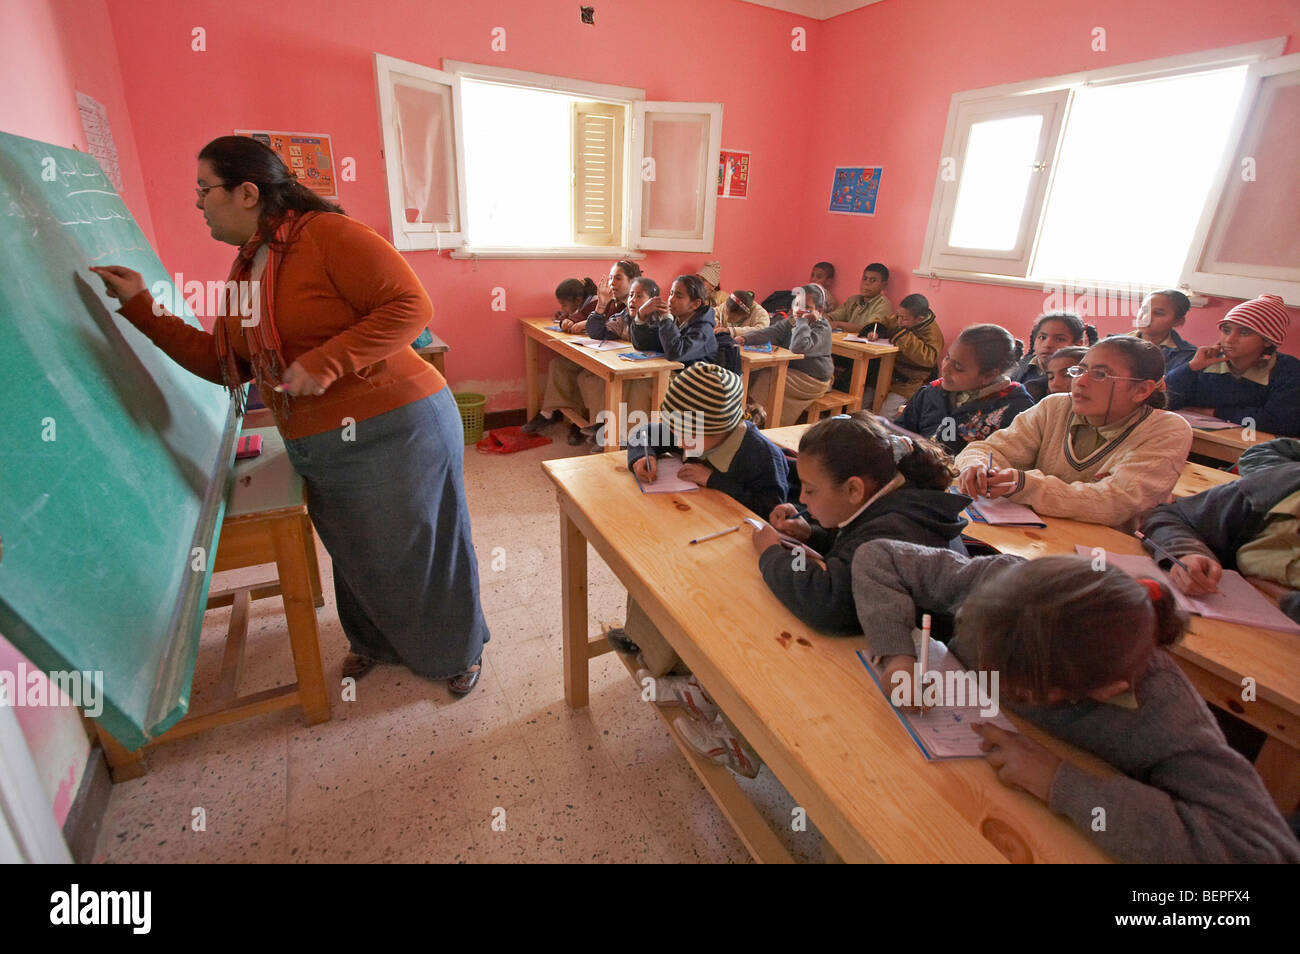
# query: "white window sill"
[[1046, 287], [587, 254]]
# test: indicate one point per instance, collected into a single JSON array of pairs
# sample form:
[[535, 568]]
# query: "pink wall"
[[268, 65], [49, 49], [888, 106]]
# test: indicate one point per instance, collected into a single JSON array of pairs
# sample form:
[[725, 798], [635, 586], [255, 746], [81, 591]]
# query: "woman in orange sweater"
[[324, 322]]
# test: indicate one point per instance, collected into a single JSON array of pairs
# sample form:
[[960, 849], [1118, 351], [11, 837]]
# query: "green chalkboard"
[[114, 461]]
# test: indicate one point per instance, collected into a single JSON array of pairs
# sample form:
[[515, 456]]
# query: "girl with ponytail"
[[860, 482], [1082, 654]]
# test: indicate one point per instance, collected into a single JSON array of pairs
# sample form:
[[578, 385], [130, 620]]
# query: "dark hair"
[[694, 287], [1058, 623], [918, 305], [240, 159], [1079, 332], [1145, 361], [813, 294], [649, 284], [630, 270], [575, 289], [1073, 352], [995, 349], [858, 445], [1176, 298], [878, 269], [746, 302], [826, 267]]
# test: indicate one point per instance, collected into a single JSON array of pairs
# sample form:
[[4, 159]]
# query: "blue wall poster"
[[854, 189]]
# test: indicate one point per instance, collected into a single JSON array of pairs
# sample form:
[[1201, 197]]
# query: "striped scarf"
[[265, 353]]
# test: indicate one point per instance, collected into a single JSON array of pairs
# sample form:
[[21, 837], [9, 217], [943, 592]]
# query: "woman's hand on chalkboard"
[[296, 381], [120, 283]]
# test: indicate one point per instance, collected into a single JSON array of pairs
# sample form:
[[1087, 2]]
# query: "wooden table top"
[[803, 699], [839, 340], [266, 483], [603, 363], [762, 359]]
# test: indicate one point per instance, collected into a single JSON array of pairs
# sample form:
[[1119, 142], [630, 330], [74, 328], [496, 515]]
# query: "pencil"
[[720, 533], [1161, 550]]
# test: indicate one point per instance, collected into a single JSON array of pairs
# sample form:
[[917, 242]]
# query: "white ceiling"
[[815, 9]]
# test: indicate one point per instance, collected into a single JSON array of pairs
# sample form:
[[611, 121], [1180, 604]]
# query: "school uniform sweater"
[[694, 340], [1177, 352], [347, 307], [757, 318], [1132, 472], [933, 412], [610, 324], [812, 339], [823, 598], [918, 354], [1184, 795], [1274, 406], [1220, 521], [863, 312], [754, 472]]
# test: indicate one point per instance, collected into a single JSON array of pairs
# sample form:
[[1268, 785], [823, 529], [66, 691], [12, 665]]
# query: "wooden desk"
[[1226, 444], [802, 699], [779, 361], [604, 364], [266, 522], [435, 353], [1217, 657], [862, 353]]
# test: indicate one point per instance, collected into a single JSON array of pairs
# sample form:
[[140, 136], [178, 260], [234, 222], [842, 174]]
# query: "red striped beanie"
[[1265, 314]]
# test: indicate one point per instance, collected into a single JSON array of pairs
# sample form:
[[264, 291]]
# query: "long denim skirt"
[[389, 505]]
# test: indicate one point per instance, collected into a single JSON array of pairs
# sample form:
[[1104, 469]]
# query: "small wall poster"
[[733, 174], [308, 156], [854, 189]]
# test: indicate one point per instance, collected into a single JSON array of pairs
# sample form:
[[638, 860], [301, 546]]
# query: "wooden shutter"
[[597, 174]]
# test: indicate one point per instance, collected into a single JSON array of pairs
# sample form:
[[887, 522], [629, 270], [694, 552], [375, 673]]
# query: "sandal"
[[355, 665], [462, 685]]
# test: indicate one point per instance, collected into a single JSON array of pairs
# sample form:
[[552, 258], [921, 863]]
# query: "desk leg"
[[291, 542], [122, 764], [1279, 767], [612, 431], [883, 378], [313, 565], [573, 597], [776, 397], [438, 360], [530, 374], [661, 388], [857, 382]]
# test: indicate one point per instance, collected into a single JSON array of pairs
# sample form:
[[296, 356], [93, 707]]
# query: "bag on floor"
[[508, 440]]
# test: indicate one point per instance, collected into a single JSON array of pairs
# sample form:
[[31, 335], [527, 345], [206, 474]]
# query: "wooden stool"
[[266, 522], [833, 402], [433, 353]]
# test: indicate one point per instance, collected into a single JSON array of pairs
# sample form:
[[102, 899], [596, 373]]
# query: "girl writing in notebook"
[[1104, 453], [859, 482], [1081, 653]]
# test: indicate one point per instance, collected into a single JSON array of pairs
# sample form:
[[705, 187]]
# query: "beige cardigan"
[[1119, 482]]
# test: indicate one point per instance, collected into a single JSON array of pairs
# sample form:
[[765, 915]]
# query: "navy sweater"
[[758, 477], [1275, 407], [823, 598], [930, 413], [1221, 520], [692, 342]]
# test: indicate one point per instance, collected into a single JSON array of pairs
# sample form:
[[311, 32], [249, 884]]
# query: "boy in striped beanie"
[[1244, 378]]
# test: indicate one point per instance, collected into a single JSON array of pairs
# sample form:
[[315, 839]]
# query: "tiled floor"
[[407, 773]]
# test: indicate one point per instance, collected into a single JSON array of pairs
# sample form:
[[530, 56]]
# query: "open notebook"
[[609, 344], [1204, 421], [1236, 602], [666, 479], [945, 732], [1003, 513]]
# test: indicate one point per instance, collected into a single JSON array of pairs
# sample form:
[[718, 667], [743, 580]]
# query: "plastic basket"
[[471, 415]]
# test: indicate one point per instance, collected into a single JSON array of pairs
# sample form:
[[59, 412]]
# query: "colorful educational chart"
[[854, 189], [308, 155], [733, 174]]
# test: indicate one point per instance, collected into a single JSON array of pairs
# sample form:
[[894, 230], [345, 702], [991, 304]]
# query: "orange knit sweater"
[[347, 307]]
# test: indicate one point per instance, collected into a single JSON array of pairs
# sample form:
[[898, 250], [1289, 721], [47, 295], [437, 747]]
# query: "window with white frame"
[[493, 162], [1127, 177]]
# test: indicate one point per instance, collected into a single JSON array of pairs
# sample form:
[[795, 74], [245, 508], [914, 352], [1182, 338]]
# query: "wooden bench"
[[832, 402]]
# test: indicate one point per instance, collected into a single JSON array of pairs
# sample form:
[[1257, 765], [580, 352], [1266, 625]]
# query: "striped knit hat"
[[1265, 314], [704, 399]]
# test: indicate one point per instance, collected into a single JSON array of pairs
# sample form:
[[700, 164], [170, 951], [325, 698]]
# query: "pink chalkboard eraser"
[[250, 445]]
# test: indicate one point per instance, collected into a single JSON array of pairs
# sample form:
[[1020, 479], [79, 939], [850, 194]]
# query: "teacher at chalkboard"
[[372, 428]]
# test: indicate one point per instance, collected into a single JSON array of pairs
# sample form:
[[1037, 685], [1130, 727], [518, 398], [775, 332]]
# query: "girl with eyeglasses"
[[1105, 453]]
